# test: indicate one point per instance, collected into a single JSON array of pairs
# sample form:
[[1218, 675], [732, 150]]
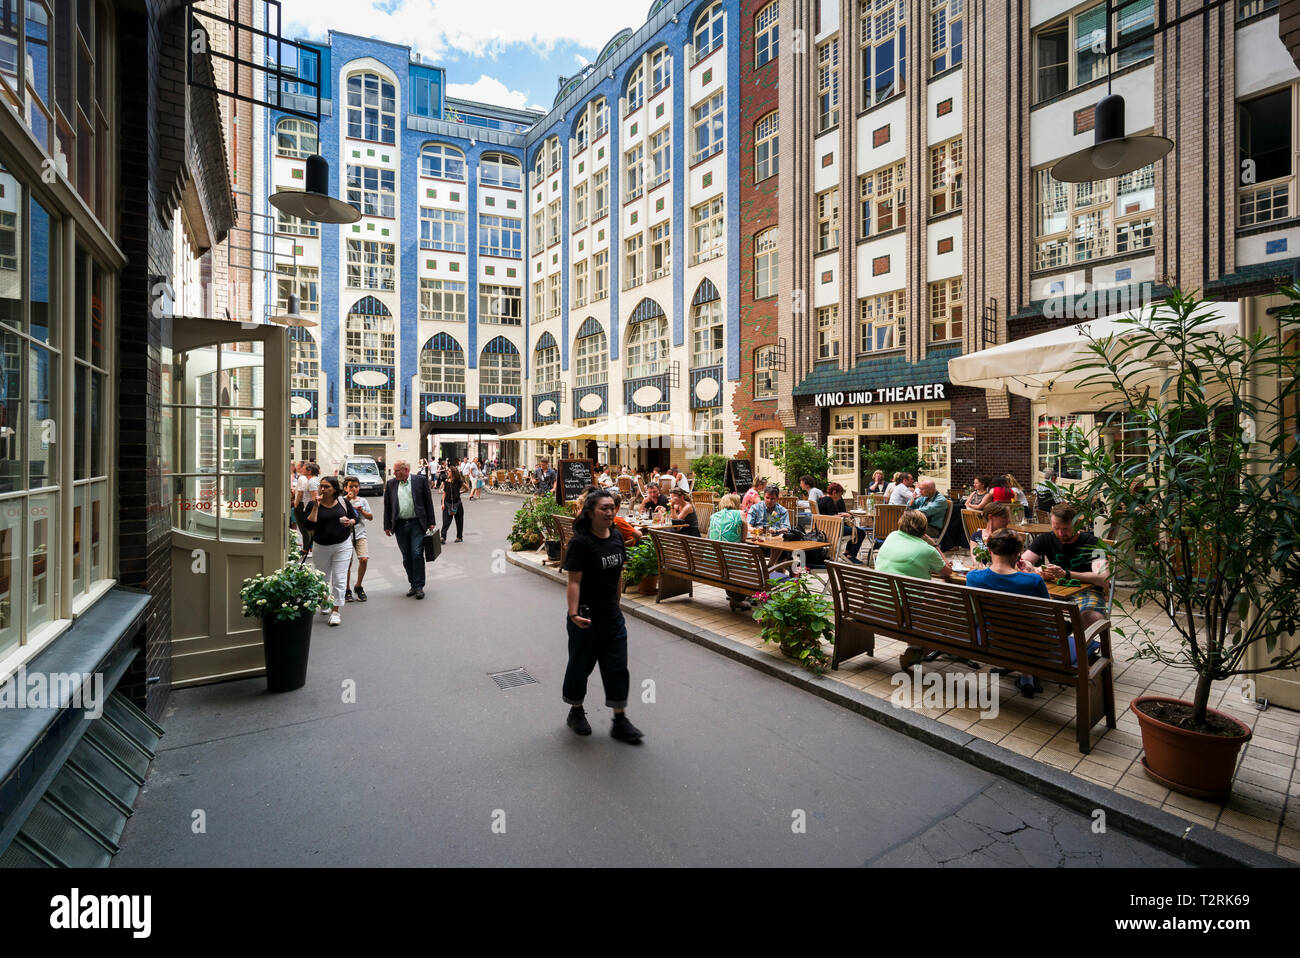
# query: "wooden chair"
[[704, 496], [973, 520], [879, 498], [625, 487], [791, 504], [704, 510], [886, 521]]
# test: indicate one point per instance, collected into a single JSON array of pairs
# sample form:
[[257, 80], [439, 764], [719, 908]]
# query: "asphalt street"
[[402, 750]]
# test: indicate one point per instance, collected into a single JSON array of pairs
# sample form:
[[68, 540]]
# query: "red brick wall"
[[758, 211]]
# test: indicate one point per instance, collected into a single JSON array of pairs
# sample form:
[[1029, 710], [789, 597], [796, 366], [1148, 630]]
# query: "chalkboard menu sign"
[[575, 476], [740, 475]]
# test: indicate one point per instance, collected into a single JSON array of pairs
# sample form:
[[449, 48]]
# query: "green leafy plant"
[[529, 526], [795, 456], [889, 459], [710, 471], [293, 590], [1197, 463], [642, 562], [797, 619]]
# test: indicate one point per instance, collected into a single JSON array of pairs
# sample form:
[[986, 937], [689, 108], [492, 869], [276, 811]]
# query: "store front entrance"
[[225, 423]]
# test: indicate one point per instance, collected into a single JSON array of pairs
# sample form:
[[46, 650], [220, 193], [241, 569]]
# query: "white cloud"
[[580, 60], [488, 89], [483, 28]]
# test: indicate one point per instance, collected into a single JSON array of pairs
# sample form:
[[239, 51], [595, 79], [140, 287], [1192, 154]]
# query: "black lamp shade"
[[294, 316], [1112, 153], [314, 203]]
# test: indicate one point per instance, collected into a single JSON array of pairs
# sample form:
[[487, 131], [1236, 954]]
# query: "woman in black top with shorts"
[[452, 507], [597, 633]]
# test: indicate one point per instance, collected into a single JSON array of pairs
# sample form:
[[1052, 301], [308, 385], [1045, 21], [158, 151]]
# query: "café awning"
[[1039, 367], [628, 429], [551, 432]]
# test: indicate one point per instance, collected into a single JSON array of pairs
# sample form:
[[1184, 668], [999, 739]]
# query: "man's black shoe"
[[410, 592], [625, 731], [577, 720], [419, 593]]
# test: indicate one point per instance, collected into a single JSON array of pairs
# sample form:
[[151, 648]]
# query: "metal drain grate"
[[512, 679]]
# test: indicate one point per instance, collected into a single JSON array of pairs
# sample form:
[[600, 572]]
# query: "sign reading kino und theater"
[[930, 392]]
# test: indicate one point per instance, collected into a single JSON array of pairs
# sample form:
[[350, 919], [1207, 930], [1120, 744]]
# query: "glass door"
[[226, 425]]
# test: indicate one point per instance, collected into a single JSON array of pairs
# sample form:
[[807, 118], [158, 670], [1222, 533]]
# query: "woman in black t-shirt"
[[597, 633], [452, 507], [331, 520], [684, 511]]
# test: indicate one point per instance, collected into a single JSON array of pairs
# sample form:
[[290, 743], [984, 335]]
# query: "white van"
[[367, 470]]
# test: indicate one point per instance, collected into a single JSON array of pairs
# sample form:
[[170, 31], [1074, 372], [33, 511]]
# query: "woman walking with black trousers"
[[452, 507], [597, 633]]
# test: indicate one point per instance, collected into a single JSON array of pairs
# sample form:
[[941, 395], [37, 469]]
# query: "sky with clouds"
[[507, 52]]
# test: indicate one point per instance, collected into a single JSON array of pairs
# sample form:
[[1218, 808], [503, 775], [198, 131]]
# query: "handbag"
[[432, 546]]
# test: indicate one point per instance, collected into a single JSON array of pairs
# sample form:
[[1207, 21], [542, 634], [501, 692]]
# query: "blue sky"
[[508, 52]]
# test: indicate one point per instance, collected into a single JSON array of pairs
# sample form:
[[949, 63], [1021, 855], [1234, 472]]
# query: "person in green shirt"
[[728, 525], [907, 552]]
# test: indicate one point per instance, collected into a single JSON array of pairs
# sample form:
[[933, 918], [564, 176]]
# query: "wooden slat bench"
[[1016, 632], [733, 566]]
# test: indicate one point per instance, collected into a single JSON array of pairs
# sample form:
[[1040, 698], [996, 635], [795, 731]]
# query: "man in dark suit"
[[408, 513]]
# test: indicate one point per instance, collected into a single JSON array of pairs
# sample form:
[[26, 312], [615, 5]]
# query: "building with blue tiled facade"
[[510, 268]]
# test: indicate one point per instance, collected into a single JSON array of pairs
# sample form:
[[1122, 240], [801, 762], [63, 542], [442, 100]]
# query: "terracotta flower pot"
[[649, 585], [1194, 763]]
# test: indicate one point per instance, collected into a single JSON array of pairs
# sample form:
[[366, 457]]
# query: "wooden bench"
[[733, 566], [1016, 632]]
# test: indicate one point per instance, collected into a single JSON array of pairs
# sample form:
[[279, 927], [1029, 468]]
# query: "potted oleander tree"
[[1199, 467], [286, 601]]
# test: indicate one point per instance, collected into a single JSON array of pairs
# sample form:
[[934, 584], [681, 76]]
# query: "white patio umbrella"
[[1038, 367], [550, 432], [629, 429]]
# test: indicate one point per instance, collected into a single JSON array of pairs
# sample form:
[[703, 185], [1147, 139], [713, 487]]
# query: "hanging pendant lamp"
[[314, 203], [1112, 153]]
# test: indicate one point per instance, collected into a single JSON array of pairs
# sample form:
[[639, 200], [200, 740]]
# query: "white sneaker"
[[336, 619]]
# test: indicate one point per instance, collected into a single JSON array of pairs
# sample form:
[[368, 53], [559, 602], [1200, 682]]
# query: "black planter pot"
[[286, 645], [553, 550]]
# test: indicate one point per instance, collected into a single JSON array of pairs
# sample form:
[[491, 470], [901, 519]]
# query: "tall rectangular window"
[[882, 322], [828, 220], [945, 310], [554, 295], [945, 35], [302, 281], [707, 124], [766, 147], [599, 275], [1265, 158], [372, 190], [600, 193], [766, 27], [580, 205], [633, 172], [765, 263], [661, 260], [882, 38], [554, 218], [828, 333], [539, 229], [706, 227], [945, 177], [883, 198], [634, 261], [765, 372], [661, 157], [661, 68], [580, 283], [371, 265], [1070, 52], [828, 85], [539, 301]]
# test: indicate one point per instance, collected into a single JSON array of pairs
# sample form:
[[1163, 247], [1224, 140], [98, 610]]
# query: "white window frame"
[[882, 322], [1079, 222], [943, 323], [710, 32], [437, 295], [828, 85], [708, 126], [882, 27], [766, 263], [767, 24], [946, 161], [371, 264], [880, 191], [766, 146], [708, 223], [380, 101]]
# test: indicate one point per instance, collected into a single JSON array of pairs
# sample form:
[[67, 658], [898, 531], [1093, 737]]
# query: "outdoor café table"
[[777, 544], [1054, 590], [1032, 528]]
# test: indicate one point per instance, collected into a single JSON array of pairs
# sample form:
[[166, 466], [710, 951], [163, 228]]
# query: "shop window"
[[904, 419], [934, 417], [1054, 433], [843, 422], [843, 450]]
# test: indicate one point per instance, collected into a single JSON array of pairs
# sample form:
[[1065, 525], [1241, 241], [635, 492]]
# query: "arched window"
[[590, 356], [442, 162], [539, 165], [706, 326], [765, 147], [500, 371], [661, 68], [296, 138], [497, 169], [583, 128], [600, 118], [372, 108], [442, 366], [647, 340], [546, 365], [709, 31], [765, 32], [635, 88], [304, 359], [370, 334]]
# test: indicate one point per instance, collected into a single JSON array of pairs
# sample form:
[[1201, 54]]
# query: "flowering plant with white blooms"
[[294, 589]]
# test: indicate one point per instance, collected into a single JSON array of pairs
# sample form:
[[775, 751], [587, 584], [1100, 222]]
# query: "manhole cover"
[[512, 679]]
